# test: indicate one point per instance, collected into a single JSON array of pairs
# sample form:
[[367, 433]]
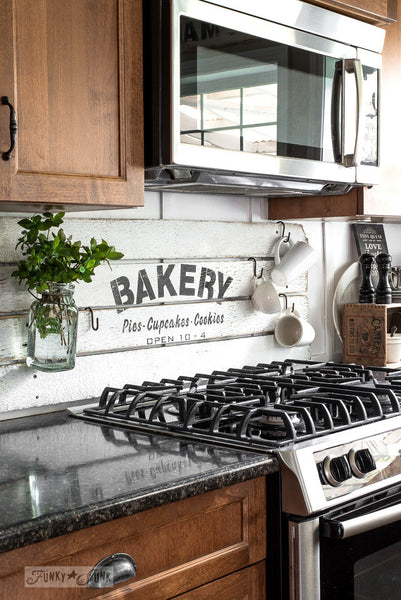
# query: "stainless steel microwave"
[[259, 97]]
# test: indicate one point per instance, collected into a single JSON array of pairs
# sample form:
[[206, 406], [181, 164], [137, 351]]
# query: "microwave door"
[[253, 96], [355, 116], [369, 134]]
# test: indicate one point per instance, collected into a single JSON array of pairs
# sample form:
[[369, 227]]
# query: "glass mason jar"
[[52, 329]]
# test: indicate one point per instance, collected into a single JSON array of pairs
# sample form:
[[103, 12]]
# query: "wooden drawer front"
[[176, 547], [248, 584]]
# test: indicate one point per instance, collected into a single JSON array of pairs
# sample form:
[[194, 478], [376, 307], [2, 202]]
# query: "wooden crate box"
[[364, 334]]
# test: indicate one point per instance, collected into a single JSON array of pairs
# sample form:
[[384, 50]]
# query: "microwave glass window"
[[244, 93], [370, 117], [232, 119]]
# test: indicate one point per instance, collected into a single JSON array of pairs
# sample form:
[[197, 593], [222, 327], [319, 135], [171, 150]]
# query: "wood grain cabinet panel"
[[372, 11], [247, 584], [176, 548], [73, 72]]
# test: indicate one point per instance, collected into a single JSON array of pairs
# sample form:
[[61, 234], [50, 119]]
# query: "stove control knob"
[[336, 470], [361, 462]]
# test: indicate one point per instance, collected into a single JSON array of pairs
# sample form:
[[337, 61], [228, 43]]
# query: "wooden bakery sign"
[[148, 304]]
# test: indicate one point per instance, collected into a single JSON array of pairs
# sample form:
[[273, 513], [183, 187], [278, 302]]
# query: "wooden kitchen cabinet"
[[207, 546], [73, 72], [318, 207], [372, 11]]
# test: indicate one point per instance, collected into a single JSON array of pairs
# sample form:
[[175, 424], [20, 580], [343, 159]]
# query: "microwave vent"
[[208, 182]]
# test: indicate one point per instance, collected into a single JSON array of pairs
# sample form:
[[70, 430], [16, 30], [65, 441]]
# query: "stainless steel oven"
[[273, 97], [360, 548], [334, 510], [343, 530]]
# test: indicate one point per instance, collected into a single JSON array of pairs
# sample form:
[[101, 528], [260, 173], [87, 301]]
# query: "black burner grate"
[[261, 407]]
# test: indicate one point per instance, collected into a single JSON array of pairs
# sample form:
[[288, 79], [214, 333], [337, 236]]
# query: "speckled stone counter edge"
[[43, 528]]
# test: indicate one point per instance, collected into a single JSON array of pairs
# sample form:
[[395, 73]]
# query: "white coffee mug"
[[296, 261], [264, 297], [291, 330], [393, 348]]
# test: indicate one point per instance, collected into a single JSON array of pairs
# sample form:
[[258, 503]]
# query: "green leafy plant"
[[52, 319], [52, 256]]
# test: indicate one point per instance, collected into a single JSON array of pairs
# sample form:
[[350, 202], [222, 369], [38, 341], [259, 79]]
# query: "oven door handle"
[[341, 529]]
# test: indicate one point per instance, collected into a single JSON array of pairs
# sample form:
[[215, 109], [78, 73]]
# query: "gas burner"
[[274, 427]]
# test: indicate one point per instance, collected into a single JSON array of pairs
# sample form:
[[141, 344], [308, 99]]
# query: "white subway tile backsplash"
[[258, 209], [202, 207], [317, 293], [340, 252]]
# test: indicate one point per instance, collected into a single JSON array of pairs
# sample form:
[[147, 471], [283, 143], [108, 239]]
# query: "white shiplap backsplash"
[[215, 232], [201, 319]]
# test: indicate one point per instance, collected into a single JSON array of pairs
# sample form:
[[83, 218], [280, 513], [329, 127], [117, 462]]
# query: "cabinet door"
[[176, 548], [373, 11], [73, 72]]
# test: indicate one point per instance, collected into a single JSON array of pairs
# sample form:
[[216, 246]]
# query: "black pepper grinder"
[[383, 289], [366, 291]]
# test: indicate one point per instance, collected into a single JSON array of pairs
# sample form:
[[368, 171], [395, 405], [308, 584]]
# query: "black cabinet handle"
[[112, 570], [13, 127]]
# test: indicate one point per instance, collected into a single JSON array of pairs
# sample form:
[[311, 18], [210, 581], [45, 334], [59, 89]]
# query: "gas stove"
[[335, 428]]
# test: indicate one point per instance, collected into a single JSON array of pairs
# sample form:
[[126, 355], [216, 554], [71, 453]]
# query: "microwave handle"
[[337, 127], [338, 107], [354, 65], [340, 530]]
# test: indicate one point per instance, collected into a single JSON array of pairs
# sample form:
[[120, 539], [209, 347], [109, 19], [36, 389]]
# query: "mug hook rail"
[[286, 302], [94, 324], [287, 239], [254, 268]]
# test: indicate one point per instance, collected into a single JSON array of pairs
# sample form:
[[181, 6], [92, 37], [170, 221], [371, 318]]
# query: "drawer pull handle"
[[13, 127], [112, 570]]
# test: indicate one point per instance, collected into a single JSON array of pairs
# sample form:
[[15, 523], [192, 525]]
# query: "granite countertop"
[[59, 474]]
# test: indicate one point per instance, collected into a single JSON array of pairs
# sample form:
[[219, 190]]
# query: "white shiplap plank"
[[237, 275], [165, 239], [153, 326], [22, 387]]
